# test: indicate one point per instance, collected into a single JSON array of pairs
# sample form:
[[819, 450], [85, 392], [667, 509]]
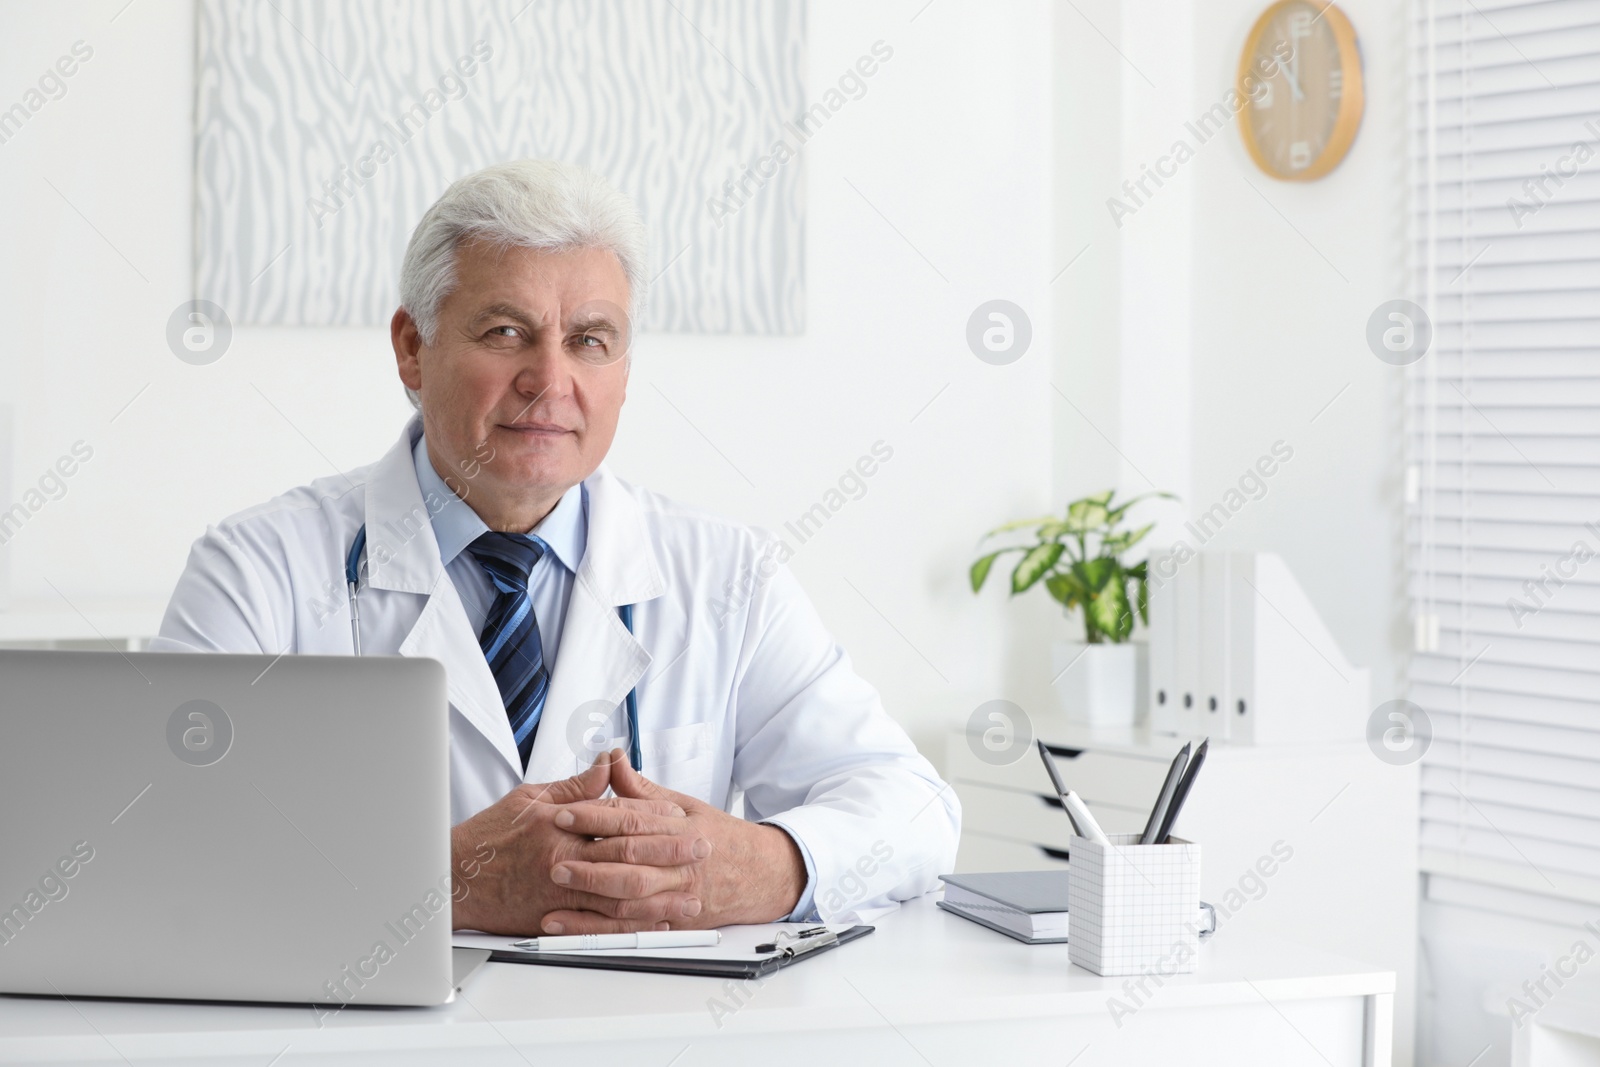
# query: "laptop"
[[225, 827]]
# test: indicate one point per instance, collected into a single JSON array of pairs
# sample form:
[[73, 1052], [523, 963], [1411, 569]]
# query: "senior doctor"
[[498, 543]]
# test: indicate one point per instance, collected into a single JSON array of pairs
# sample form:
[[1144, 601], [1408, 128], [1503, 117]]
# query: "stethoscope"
[[352, 580]]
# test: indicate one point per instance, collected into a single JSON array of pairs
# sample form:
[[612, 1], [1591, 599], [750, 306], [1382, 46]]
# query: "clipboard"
[[702, 967]]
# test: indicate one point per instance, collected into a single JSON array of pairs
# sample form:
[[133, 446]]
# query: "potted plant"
[[1079, 558]]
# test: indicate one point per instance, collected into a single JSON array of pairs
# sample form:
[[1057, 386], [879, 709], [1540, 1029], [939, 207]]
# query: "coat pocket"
[[679, 757]]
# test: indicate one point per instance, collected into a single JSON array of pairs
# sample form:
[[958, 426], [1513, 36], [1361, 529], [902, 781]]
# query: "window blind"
[[1503, 449]]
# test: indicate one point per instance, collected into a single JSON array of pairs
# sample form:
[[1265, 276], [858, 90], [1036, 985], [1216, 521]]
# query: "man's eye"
[[503, 331], [593, 347]]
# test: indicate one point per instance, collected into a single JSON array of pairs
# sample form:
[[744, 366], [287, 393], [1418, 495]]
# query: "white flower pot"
[[1099, 685]]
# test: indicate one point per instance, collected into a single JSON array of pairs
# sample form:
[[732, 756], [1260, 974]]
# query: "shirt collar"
[[456, 525]]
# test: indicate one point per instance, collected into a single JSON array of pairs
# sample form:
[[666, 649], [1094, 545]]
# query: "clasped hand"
[[562, 858]]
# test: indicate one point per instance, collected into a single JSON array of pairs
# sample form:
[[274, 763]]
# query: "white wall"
[[1231, 329], [1226, 328], [1279, 331], [951, 143], [1087, 262]]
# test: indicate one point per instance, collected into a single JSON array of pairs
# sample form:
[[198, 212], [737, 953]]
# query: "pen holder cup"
[[1134, 908]]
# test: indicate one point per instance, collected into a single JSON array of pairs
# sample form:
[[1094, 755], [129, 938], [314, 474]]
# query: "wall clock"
[[1299, 123]]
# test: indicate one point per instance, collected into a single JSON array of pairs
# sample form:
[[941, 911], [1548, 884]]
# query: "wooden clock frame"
[[1352, 97]]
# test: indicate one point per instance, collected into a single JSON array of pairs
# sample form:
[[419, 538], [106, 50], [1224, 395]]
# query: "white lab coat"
[[740, 686]]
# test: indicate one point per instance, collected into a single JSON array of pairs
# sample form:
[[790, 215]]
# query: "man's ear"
[[407, 348]]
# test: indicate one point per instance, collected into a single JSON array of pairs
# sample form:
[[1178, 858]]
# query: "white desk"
[[927, 988]]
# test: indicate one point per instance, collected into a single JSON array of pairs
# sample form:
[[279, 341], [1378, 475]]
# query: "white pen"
[[643, 939], [1080, 815], [1083, 823]]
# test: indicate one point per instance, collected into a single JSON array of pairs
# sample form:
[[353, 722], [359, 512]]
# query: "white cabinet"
[[1313, 843]]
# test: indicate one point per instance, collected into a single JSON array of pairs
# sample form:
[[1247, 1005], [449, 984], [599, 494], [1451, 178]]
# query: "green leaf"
[[1095, 573], [1067, 589], [1126, 630], [1021, 524], [1034, 565], [980, 570], [1138, 535], [1114, 544], [1085, 515], [1115, 515], [1118, 543], [1110, 611], [1144, 599]]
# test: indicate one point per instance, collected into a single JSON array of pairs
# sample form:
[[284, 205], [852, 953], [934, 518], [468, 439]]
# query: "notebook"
[[1030, 906]]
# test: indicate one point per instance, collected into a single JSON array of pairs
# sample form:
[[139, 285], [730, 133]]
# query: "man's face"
[[522, 388]]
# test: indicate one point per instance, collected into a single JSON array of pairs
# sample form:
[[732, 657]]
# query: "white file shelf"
[[987, 852]]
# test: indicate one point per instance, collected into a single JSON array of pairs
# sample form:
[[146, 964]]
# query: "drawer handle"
[[1063, 751], [1056, 853]]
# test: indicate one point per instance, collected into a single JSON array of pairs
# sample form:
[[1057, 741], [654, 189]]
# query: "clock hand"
[[1292, 76]]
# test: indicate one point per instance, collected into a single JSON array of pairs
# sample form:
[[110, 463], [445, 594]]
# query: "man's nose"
[[544, 372]]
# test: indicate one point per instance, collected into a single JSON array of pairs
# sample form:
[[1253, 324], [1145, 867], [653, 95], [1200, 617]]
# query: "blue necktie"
[[510, 638]]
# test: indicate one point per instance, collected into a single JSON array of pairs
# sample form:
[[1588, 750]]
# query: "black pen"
[[773, 946], [1182, 793], [1158, 813], [1060, 787]]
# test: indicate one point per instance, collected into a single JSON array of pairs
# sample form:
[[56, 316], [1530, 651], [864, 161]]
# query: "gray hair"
[[528, 203]]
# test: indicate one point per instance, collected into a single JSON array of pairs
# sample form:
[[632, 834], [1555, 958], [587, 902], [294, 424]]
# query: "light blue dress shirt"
[[566, 531], [456, 526]]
